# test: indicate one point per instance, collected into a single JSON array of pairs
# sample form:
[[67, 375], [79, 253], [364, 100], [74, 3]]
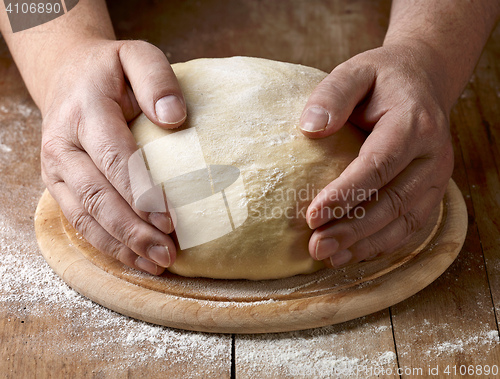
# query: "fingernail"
[[146, 265], [315, 119], [169, 110], [326, 247], [340, 258], [160, 254], [162, 221], [310, 219]]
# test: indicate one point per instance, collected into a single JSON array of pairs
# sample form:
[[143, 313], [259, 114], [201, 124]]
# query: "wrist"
[[58, 68], [445, 80], [449, 35], [39, 51]]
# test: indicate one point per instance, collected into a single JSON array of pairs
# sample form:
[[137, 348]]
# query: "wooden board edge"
[[251, 317]]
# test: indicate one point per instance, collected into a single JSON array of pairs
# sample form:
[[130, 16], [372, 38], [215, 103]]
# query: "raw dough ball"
[[245, 112]]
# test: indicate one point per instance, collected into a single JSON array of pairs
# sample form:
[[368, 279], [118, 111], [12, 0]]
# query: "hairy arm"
[[88, 86], [402, 93], [37, 51], [454, 32]]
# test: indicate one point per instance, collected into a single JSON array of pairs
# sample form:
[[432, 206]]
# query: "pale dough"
[[246, 113]]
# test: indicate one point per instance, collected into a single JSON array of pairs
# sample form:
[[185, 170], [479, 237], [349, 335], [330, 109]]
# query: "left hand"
[[393, 92]]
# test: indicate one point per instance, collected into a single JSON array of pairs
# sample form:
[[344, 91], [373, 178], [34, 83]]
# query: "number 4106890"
[[477, 370], [33, 8]]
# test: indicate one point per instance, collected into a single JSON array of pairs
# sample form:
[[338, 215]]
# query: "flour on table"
[[308, 354], [4, 148], [29, 289], [486, 339]]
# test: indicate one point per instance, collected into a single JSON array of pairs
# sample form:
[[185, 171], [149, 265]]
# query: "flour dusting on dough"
[[246, 112]]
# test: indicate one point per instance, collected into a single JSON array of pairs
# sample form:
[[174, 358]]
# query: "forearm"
[[36, 51], [452, 33]]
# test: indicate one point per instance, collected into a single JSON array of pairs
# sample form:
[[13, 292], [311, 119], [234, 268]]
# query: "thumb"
[[154, 83], [334, 99]]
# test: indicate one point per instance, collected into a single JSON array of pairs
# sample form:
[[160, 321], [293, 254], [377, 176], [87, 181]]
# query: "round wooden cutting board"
[[242, 306]]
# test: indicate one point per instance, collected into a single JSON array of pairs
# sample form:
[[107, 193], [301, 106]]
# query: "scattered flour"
[[486, 339], [4, 148], [309, 354], [29, 289]]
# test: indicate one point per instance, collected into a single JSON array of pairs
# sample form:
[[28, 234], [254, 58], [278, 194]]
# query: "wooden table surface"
[[48, 330]]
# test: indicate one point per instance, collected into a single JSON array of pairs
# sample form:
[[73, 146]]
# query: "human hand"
[[86, 144], [394, 92]]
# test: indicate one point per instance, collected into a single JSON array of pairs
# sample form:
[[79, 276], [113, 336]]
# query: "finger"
[[334, 99], [384, 154], [108, 141], [154, 83], [390, 203], [129, 105], [101, 201], [90, 229], [390, 236]]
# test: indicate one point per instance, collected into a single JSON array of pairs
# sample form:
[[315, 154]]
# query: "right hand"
[[99, 86]]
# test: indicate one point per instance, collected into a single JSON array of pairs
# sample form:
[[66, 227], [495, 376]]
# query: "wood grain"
[[319, 33], [335, 351], [442, 324], [477, 124], [232, 306]]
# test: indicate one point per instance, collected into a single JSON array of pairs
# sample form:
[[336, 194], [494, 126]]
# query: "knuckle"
[[354, 67], [376, 246], [134, 44], [369, 248], [81, 221], [121, 253], [92, 196], [380, 244], [134, 236], [334, 91], [53, 150], [126, 48], [383, 166], [129, 234], [64, 115], [357, 230], [425, 121], [429, 124], [59, 130], [111, 161], [397, 201], [49, 177], [412, 222]]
